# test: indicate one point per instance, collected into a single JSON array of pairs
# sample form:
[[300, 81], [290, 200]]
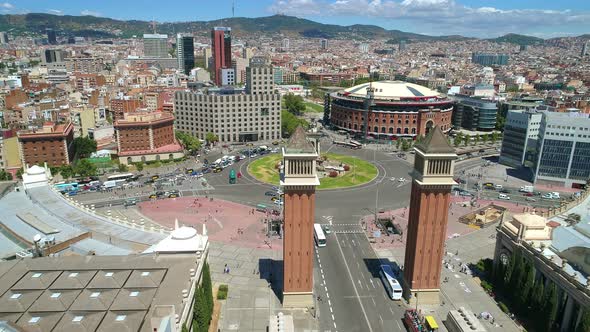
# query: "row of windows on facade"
[[227, 106], [216, 128], [225, 98], [263, 112], [567, 135], [234, 138], [385, 131], [251, 121], [383, 119], [568, 127], [222, 125]]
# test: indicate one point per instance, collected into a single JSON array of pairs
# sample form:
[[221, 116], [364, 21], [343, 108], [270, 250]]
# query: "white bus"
[[318, 235], [394, 289], [120, 177]]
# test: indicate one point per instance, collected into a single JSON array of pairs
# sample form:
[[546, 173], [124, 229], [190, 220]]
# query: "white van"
[[504, 196], [498, 187], [555, 195]]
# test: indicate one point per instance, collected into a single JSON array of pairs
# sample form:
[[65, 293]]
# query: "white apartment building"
[[254, 116]]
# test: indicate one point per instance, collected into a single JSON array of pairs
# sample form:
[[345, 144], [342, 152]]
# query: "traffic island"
[[334, 170]]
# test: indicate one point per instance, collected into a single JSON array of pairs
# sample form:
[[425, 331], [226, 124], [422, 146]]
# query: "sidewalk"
[[462, 290], [250, 300]]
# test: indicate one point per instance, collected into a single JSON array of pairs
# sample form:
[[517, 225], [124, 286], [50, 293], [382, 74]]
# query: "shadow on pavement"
[[272, 271], [374, 266]]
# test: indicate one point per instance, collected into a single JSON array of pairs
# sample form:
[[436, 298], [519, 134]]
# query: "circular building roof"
[[183, 233], [392, 90], [35, 170]]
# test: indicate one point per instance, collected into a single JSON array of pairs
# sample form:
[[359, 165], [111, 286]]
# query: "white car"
[[401, 180], [279, 202], [504, 196]]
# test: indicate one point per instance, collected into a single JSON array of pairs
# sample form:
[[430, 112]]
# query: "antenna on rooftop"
[[154, 24], [233, 8]]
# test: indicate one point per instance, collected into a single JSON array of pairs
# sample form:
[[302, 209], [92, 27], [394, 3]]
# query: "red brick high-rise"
[[221, 51], [299, 179], [427, 221], [51, 144]]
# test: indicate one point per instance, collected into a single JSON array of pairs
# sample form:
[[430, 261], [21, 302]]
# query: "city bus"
[[346, 144], [392, 286], [356, 143], [318, 235], [118, 177], [66, 187]]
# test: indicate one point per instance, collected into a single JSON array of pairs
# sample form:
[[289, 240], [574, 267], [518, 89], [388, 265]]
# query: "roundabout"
[[336, 171]]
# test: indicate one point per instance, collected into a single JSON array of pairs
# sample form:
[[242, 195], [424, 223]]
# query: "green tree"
[[584, 325], [19, 173], [207, 289], [458, 139], [139, 166], [405, 145], [525, 288], [85, 168], [398, 143], [200, 311], [476, 140], [537, 296], [495, 137], [290, 122], [66, 171], [211, 138], [294, 104], [466, 140], [84, 146], [184, 328], [123, 168], [500, 122], [189, 142], [516, 276], [5, 176], [509, 270], [550, 307]]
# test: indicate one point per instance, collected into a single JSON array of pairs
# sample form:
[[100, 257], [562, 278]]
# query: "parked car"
[[269, 193], [465, 193], [504, 191], [547, 196], [504, 196], [528, 194]]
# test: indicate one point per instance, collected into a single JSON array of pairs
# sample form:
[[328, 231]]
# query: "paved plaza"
[[254, 280]]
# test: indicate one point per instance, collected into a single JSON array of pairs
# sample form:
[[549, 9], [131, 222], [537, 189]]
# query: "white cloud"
[[55, 11], [6, 5], [90, 12], [447, 16]]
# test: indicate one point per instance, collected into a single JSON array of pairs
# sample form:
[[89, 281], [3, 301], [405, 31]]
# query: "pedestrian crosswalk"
[[328, 219], [349, 231]]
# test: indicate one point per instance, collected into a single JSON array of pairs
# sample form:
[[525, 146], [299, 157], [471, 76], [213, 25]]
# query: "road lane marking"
[[399, 326], [360, 284], [354, 287], [374, 303], [372, 284]]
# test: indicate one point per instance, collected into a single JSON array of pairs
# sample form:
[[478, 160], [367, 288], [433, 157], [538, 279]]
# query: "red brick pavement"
[[226, 221]]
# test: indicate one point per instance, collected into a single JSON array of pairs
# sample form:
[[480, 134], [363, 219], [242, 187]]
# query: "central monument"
[[428, 217], [298, 179]]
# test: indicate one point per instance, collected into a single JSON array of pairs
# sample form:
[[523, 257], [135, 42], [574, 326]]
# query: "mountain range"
[[102, 27]]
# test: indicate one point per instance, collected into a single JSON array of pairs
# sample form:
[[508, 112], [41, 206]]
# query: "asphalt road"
[[347, 281]]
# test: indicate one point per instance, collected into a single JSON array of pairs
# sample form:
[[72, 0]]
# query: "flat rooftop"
[[93, 293]]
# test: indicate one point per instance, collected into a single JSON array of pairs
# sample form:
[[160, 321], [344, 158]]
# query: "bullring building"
[[397, 109], [235, 116]]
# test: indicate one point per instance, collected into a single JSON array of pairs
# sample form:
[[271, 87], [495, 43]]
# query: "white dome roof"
[[35, 170], [183, 233], [392, 90]]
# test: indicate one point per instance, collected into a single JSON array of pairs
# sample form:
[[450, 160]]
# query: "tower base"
[[297, 299], [422, 297]]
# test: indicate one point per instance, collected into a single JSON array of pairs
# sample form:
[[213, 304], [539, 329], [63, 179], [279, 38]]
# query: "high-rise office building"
[[3, 37], [324, 44], [285, 44], [364, 48], [259, 76], [155, 45], [402, 45], [221, 49], [584, 49], [51, 37], [185, 53], [207, 55], [485, 59], [52, 55]]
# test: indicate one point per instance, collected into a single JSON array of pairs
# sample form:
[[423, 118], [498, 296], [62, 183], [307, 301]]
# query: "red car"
[[528, 194]]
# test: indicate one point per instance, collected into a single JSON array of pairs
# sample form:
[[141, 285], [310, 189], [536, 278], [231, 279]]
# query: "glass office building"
[[474, 113], [486, 59]]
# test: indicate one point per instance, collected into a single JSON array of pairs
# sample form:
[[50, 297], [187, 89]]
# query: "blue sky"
[[480, 18]]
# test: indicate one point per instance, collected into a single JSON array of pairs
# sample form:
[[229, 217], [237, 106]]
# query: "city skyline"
[[479, 18]]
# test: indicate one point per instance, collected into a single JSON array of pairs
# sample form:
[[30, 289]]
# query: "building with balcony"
[[51, 144], [145, 137], [398, 109]]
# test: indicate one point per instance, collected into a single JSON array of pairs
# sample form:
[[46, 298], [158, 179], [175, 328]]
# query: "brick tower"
[[427, 221], [299, 180]]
